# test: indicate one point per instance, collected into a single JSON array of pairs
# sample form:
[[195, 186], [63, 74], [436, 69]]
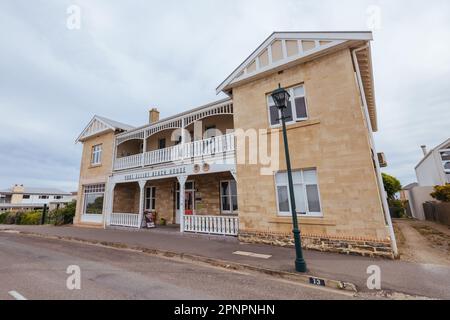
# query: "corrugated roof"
[[116, 124], [43, 191]]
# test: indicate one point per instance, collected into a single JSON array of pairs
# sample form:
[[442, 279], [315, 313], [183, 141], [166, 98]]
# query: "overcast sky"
[[129, 56]]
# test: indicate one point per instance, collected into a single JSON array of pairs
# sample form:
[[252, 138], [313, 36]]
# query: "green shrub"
[[31, 218], [397, 209], [442, 193], [64, 215], [3, 217], [19, 217]]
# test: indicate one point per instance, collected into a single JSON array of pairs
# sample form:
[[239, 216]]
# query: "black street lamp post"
[[281, 98]]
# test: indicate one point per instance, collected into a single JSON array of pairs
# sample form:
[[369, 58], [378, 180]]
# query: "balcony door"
[[189, 200]]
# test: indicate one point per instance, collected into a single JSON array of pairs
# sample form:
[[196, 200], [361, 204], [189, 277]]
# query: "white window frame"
[[295, 118], [150, 198], [96, 189], [288, 213], [444, 162], [230, 196], [96, 157]]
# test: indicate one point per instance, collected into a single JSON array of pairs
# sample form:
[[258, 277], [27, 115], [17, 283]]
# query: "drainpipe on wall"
[[374, 153]]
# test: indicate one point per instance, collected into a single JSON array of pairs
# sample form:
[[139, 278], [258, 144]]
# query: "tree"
[[442, 193], [392, 185]]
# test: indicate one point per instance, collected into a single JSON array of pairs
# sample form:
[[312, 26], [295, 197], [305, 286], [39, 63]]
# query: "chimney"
[[424, 150], [153, 115]]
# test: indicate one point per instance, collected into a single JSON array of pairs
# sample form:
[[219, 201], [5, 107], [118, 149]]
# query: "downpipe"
[[374, 156]]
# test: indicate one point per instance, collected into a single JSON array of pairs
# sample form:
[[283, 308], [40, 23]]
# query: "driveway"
[[423, 242]]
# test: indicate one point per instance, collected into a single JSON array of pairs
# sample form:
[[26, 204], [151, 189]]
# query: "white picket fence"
[[125, 220], [222, 225]]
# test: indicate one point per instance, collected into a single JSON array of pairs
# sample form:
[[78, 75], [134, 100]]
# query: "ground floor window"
[[228, 197], [93, 199], [306, 192], [150, 198]]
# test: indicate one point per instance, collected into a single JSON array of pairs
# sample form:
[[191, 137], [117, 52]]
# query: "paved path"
[[427, 280], [35, 268]]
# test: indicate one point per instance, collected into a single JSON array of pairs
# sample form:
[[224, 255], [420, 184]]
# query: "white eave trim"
[[331, 36], [81, 137]]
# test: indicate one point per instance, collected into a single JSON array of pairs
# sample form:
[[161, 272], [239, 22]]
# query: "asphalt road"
[[35, 268]]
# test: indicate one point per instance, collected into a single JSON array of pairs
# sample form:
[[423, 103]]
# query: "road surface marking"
[[17, 295], [251, 254], [10, 231]]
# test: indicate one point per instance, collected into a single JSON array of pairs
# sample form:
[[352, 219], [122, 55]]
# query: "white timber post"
[[144, 149], [109, 203], [183, 141], [182, 181], [141, 202]]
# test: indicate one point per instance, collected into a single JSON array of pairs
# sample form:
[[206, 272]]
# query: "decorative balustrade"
[[128, 162], [223, 225], [125, 220], [200, 148]]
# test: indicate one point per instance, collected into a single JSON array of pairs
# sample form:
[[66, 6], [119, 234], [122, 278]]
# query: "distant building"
[[434, 168], [19, 197]]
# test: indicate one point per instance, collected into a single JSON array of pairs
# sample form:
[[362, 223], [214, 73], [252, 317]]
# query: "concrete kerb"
[[229, 265]]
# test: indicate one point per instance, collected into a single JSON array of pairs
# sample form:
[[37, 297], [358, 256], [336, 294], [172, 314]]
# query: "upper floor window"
[[26, 196], [296, 110], [96, 154], [306, 193], [43, 197], [57, 197]]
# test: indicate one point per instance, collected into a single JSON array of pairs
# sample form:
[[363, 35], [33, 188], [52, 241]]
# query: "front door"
[[189, 200]]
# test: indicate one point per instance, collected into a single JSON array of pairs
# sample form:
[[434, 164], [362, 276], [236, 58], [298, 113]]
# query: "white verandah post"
[[109, 201], [182, 181], [141, 202]]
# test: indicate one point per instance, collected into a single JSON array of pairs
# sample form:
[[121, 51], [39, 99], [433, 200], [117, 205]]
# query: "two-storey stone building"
[[223, 163]]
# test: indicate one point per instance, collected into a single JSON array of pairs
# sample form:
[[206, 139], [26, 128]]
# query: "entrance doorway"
[[189, 200]]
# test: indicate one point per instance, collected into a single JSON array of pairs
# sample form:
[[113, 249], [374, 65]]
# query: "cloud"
[[130, 56]]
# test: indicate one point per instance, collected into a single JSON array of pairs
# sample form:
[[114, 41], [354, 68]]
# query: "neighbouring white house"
[[19, 197], [432, 170]]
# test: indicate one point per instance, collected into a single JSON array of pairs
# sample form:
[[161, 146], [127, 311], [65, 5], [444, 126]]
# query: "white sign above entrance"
[[156, 174], [171, 172]]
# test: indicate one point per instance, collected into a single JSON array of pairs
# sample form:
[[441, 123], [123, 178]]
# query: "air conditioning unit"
[[382, 160]]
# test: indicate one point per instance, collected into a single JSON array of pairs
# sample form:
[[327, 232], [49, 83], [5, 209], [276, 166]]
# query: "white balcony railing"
[[223, 225], [201, 148], [128, 162], [125, 220]]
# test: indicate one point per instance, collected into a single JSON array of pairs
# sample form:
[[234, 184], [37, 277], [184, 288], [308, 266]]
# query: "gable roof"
[[443, 145], [282, 50], [99, 125]]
